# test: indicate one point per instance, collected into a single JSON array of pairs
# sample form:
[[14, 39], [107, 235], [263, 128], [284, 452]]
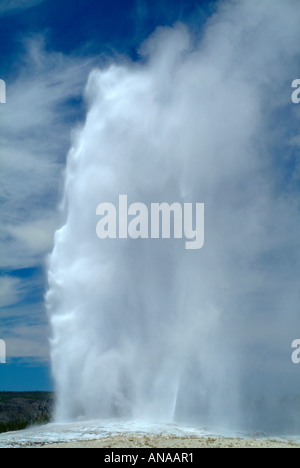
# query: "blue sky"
[[48, 48]]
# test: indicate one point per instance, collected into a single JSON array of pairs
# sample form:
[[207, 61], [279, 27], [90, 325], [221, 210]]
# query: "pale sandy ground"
[[167, 441]]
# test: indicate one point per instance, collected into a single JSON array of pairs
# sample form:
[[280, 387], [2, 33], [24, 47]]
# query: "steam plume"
[[144, 328]]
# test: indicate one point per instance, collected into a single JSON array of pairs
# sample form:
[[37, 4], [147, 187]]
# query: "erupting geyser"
[[143, 328]]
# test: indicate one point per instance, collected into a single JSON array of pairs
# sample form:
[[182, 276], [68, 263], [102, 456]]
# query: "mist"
[[143, 328]]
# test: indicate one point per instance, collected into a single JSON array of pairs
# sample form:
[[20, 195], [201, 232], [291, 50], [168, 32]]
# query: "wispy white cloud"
[[34, 138], [27, 336], [35, 134], [11, 6], [23, 318], [9, 291], [37, 235]]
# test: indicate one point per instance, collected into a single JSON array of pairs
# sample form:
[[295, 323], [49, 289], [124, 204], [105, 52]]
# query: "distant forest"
[[19, 410]]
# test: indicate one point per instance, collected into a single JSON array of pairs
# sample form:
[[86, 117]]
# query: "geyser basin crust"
[[116, 434], [141, 441]]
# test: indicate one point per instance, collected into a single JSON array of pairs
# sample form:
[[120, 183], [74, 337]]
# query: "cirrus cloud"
[[11, 6]]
